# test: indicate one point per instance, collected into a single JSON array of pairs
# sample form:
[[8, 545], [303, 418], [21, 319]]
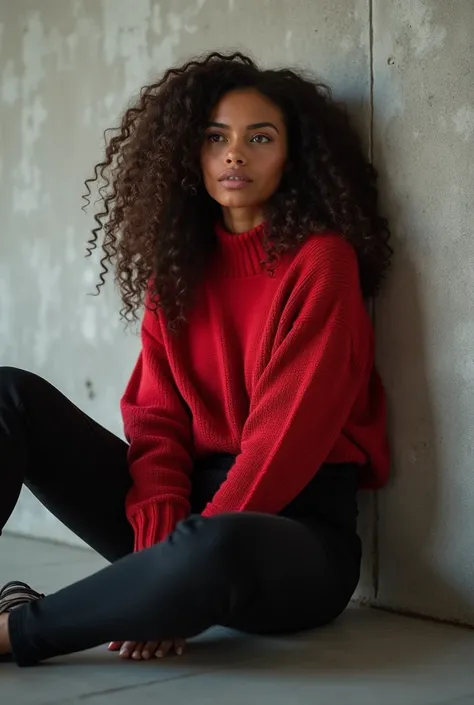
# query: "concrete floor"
[[366, 658]]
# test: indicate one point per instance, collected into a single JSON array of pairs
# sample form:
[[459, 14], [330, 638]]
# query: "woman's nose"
[[235, 157]]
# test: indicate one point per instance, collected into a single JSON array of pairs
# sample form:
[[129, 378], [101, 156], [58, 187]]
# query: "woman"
[[238, 205]]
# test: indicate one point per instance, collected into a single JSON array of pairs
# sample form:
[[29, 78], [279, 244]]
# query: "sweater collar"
[[240, 254]]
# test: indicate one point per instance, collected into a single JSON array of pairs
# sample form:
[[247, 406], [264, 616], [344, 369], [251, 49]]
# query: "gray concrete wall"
[[68, 70]]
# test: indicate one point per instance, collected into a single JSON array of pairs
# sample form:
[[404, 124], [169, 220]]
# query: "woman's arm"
[[158, 427]]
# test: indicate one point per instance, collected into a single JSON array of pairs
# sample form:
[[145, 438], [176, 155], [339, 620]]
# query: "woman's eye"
[[260, 139], [256, 139]]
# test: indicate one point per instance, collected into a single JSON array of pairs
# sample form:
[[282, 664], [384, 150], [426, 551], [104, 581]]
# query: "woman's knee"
[[15, 381], [22, 389]]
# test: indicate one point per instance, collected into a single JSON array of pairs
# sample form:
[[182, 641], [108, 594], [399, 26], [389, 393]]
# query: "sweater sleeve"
[[304, 394], [158, 427]]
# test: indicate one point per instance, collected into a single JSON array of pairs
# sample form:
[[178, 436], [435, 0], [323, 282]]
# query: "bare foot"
[[5, 646]]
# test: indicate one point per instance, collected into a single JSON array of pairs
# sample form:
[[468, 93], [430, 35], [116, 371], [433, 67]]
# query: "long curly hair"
[[156, 218]]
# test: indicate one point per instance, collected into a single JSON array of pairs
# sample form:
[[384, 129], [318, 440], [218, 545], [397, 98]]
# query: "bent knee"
[[20, 386], [14, 378]]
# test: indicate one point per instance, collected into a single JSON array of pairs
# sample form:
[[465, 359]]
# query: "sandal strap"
[[18, 586], [16, 593]]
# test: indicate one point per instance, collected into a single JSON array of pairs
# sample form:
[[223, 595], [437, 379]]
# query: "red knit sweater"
[[278, 370]]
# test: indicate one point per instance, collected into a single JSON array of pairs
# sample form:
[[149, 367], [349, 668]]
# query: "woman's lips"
[[235, 183]]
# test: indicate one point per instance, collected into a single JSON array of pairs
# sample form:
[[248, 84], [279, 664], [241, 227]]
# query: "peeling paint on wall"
[[10, 84], [463, 120], [28, 188], [417, 18], [126, 26], [6, 306], [89, 323], [45, 273]]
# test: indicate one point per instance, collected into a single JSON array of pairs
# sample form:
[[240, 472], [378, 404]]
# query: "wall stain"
[[90, 389]]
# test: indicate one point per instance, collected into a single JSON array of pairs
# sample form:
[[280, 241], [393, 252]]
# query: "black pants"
[[252, 572]]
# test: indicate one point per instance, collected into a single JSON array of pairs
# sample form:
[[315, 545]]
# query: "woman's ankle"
[[5, 646]]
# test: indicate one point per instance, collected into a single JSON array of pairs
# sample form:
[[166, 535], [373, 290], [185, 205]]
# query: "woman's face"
[[244, 151]]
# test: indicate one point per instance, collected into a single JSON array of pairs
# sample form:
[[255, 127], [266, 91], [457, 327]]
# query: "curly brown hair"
[[157, 219]]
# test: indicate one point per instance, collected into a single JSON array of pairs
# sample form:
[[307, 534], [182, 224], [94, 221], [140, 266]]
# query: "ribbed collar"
[[240, 254]]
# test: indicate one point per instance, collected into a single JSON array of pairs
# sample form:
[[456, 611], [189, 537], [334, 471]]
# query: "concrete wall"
[[424, 146], [68, 69]]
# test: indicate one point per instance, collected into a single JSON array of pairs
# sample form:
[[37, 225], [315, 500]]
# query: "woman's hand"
[[147, 649]]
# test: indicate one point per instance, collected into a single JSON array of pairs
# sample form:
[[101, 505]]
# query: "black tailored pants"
[[252, 572]]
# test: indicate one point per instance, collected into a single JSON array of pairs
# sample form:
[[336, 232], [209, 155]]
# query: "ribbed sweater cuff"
[[151, 523]]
